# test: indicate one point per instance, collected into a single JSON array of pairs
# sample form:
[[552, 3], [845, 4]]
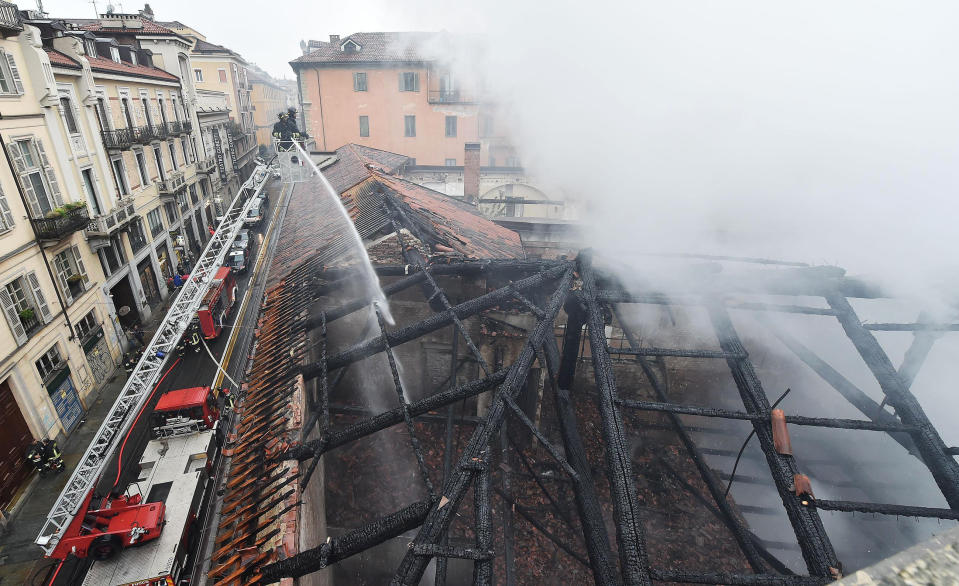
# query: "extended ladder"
[[147, 372]]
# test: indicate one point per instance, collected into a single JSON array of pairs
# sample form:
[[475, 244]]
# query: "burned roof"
[[353, 162]]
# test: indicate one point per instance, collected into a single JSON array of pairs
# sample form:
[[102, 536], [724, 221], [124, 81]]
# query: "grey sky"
[[269, 33]]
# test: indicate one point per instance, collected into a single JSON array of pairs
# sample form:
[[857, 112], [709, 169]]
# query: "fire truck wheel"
[[104, 547]]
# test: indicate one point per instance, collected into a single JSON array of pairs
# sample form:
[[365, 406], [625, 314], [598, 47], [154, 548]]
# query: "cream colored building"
[[59, 341], [269, 98]]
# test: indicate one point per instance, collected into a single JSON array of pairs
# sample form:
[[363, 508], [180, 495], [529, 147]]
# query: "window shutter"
[[80, 266], [416, 82], [13, 317], [15, 72], [21, 166], [45, 314], [401, 82], [5, 215], [51, 176], [62, 272]]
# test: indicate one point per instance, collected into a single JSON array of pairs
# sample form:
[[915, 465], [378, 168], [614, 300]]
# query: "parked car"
[[255, 215], [237, 260], [243, 240]]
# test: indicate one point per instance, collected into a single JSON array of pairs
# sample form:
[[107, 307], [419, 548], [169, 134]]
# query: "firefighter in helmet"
[[281, 131], [291, 123]]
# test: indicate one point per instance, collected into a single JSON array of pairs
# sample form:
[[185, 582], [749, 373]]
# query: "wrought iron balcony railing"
[[206, 166], [449, 97], [173, 184], [160, 131], [10, 17], [60, 226], [103, 225], [122, 138]]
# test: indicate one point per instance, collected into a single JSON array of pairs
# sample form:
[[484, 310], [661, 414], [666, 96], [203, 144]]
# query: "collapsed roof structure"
[[548, 355]]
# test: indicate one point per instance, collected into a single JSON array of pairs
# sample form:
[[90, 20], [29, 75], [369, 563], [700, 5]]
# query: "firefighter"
[[195, 336], [281, 131], [291, 123], [52, 458], [227, 398], [35, 457]]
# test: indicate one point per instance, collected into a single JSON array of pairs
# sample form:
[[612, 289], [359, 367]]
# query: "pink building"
[[379, 90]]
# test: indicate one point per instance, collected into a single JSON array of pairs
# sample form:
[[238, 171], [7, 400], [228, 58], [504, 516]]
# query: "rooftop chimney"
[[471, 172], [334, 39], [147, 12]]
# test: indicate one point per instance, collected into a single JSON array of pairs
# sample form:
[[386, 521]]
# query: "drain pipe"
[[43, 255]]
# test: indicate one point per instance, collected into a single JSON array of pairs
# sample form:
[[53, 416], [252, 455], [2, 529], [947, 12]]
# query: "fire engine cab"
[[174, 478], [217, 303]]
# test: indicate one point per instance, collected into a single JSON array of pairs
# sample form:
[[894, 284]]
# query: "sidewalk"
[[21, 560]]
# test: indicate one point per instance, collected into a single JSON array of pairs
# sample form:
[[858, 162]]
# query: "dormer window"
[[115, 54], [350, 46], [91, 48], [133, 57]]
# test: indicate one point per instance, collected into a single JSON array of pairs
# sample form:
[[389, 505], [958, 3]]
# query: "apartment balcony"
[[160, 131], [206, 166], [121, 139], [61, 224], [450, 97], [172, 185], [178, 128], [103, 225], [10, 18]]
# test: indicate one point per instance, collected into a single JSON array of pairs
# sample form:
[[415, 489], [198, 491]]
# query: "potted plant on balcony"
[[75, 282], [27, 315]]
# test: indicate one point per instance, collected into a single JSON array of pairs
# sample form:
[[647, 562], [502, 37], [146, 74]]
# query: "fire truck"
[[217, 304], [175, 477]]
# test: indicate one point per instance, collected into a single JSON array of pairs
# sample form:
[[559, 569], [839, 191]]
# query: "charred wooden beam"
[[354, 542], [813, 541], [742, 415], [441, 562], [916, 327], [633, 556], [856, 396], [739, 531], [944, 468], [482, 512], [454, 490], [675, 352], [661, 575], [434, 322], [886, 509]]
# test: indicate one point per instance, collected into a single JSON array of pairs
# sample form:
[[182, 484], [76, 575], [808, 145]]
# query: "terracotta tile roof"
[[201, 46], [110, 66], [58, 59], [351, 165], [96, 25], [452, 223], [396, 46]]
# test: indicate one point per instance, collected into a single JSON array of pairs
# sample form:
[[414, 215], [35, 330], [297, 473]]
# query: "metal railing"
[[206, 165], [172, 184], [160, 131], [106, 223], [60, 226], [449, 97], [10, 17], [179, 127]]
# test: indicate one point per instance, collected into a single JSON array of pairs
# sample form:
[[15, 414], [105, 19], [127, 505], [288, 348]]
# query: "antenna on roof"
[[96, 12]]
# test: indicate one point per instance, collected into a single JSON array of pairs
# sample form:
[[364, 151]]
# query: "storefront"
[[148, 281], [164, 261]]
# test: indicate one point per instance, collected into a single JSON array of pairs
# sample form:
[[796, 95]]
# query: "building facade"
[[380, 90], [269, 98]]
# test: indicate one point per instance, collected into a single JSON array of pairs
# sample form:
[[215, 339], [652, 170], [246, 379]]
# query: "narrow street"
[[21, 561]]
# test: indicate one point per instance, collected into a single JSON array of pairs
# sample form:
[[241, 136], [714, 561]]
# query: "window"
[[102, 117], [37, 176], [159, 161], [186, 151], [9, 75], [138, 238], [198, 75], [364, 125], [146, 110], [115, 54], [89, 186], [120, 176], [24, 306], [133, 56], [142, 167], [50, 363], [492, 161], [156, 224], [193, 148], [90, 48], [193, 195], [451, 126], [162, 110], [513, 162], [222, 74], [485, 125], [127, 111], [68, 116], [172, 215], [176, 165], [409, 81], [450, 162], [70, 273], [176, 113], [409, 125], [112, 256], [359, 82], [6, 216], [87, 325]]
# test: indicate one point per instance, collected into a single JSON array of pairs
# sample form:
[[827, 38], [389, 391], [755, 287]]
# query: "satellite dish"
[[123, 310]]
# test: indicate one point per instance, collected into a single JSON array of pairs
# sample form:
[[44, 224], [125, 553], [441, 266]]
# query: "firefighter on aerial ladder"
[[281, 131]]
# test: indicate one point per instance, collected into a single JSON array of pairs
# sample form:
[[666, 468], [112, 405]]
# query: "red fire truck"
[[218, 303], [174, 476]]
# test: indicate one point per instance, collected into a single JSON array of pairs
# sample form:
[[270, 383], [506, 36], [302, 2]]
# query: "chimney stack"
[[334, 39], [471, 172]]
